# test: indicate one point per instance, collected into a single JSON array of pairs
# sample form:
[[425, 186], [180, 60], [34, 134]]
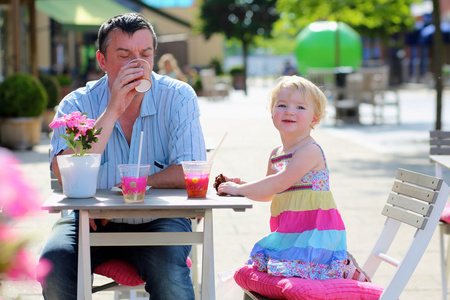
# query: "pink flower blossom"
[[17, 197], [80, 131], [43, 268]]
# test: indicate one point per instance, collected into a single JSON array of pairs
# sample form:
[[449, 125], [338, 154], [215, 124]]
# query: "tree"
[[375, 18], [240, 19], [438, 46]]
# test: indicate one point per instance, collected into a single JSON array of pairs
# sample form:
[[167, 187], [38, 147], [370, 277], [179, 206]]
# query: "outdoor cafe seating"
[[369, 86], [416, 202]]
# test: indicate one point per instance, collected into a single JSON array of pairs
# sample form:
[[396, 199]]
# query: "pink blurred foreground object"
[[18, 199]]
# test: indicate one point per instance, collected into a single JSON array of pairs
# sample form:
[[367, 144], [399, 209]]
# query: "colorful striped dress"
[[308, 236]]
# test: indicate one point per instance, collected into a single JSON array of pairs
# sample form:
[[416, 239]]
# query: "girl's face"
[[292, 113]]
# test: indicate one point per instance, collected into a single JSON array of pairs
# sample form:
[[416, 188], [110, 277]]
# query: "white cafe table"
[[158, 203], [440, 161]]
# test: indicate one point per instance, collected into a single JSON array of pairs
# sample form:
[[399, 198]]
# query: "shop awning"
[[78, 13]]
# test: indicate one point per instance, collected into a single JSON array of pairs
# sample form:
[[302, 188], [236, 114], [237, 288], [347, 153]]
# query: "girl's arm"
[[304, 160]]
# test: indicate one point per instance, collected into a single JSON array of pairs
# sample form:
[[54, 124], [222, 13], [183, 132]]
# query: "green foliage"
[[376, 18], [64, 80], [22, 95], [217, 65], [83, 143], [237, 71], [237, 19], [53, 88], [198, 84]]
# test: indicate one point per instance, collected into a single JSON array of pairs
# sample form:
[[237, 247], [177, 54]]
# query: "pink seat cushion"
[[122, 272], [445, 217], [295, 288]]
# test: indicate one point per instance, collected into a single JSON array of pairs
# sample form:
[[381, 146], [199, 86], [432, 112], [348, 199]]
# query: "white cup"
[[146, 79]]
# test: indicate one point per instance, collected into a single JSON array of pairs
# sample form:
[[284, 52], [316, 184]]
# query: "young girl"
[[308, 236]]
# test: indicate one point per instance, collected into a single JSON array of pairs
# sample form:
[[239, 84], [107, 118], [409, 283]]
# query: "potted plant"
[[79, 171], [23, 100], [238, 78], [66, 84], [53, 88]]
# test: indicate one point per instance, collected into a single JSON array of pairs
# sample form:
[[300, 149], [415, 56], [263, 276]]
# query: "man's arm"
[[170, 178]]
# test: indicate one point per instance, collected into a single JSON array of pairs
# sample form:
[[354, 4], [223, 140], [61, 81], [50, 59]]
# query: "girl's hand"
[[235, 180], [229, 187]]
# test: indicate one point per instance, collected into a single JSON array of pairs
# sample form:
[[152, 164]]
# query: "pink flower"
[[17, 197], [42, 270], [77, 125]]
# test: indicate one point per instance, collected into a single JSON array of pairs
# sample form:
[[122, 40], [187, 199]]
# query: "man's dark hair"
[[128, 23]]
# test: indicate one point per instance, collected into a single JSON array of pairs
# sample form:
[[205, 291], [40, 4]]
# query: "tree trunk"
[[245, 54], [438, 45]]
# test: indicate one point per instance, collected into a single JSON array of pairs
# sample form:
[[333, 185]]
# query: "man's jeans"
[[163, 268]]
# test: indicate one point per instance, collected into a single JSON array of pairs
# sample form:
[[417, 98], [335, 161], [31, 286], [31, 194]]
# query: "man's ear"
[[101, 60]]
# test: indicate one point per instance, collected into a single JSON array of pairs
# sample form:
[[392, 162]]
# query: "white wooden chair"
[[416, 200], [440, 145], [377, 92], [213, 86]]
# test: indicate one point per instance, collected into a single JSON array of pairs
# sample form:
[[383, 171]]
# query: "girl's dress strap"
[[321, 150]]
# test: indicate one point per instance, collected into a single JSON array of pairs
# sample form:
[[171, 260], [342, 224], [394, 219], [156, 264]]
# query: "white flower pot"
[[79, 174]]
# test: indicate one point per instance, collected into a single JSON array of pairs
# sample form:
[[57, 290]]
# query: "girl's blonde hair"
[[308, 89]]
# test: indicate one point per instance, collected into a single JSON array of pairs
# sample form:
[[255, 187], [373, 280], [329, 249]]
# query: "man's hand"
[[123, 88]]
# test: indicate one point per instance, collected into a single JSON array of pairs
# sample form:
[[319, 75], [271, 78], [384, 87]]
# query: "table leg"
[[194, 259], [208, 282], [84, 257]]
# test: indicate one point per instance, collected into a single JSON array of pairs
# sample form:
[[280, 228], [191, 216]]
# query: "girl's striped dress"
[[308, 236]]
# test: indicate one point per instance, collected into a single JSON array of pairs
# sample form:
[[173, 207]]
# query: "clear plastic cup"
[[134, 182], [196, 176], [146, 79]]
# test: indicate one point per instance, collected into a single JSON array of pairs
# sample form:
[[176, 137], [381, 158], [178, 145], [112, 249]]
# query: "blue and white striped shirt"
[[169, 117]]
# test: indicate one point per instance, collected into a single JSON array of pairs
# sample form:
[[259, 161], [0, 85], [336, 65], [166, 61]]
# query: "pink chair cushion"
[[295, 288], [445, 217], [122, 272]]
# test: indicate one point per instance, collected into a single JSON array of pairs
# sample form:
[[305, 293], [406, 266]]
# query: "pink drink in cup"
[[133, 189], [196, 177], [134, 182], [196, 185]]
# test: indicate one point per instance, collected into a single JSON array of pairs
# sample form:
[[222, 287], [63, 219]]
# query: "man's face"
[[123, 48]]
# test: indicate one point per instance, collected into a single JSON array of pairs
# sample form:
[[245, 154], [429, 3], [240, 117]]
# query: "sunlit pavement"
[[362, 159]]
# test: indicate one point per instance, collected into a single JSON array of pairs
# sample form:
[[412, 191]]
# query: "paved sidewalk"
[[362, 159]]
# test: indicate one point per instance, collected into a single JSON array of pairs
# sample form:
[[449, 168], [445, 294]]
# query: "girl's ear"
[[314, 122]]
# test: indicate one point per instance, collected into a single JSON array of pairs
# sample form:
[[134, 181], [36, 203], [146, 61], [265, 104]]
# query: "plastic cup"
[[146, 79], [196, 176], [133, 183]]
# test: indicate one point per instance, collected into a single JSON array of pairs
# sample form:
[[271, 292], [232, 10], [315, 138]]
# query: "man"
[[169, 116]]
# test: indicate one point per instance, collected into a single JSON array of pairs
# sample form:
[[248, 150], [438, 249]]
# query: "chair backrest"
[[439, 142], [439, 145], [416, 200]]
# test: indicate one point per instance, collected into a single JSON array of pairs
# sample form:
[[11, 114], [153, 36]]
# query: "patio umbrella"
[[316, 46]]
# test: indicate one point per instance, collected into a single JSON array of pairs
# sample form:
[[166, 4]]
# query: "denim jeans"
[[163, 268]]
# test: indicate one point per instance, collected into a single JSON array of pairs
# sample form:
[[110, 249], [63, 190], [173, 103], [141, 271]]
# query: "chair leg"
[[447, 263], [133, 295], [443, 262], [438, 170], [194, 267]]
